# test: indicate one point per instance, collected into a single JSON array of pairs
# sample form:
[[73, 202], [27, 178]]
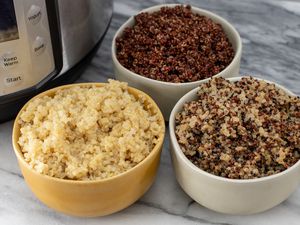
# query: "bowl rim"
[[17, 149], [177, 150], [196, 10]]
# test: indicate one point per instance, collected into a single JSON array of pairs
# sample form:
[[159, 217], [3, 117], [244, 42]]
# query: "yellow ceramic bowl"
[[92, 198]]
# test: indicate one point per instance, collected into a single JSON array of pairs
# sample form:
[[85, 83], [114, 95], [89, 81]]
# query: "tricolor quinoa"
[[240, 130]]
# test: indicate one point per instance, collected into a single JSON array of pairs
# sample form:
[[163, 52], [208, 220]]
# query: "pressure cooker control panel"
[[26, 56]]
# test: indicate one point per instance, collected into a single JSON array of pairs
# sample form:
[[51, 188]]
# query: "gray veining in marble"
[[270, 31]]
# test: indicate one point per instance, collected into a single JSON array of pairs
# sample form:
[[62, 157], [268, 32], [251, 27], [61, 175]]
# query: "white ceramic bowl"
[[166, 94], [239, 197]]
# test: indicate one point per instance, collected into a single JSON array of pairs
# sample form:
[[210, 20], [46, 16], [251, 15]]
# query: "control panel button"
[[9, 60], [39, 45], [34, 14], [12, 80]]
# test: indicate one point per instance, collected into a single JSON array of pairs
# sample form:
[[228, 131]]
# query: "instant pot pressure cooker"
[[44, 43]]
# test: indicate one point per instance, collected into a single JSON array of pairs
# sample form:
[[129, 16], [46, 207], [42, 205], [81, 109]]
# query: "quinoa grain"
[[241, 130], [88, 132], [174, 45]]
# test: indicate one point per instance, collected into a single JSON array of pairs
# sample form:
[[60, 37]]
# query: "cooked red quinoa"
[[174, 45], [241, 130]]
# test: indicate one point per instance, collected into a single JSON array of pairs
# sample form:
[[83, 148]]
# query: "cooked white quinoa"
[[88, 132]]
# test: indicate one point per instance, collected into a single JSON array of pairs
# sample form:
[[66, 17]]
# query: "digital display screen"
[[8, 21]]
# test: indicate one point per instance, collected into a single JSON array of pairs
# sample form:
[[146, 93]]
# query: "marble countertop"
[[270, 31]]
